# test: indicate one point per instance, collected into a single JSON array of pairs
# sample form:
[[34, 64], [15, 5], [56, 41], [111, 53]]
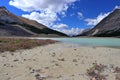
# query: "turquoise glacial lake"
[[109, 42]]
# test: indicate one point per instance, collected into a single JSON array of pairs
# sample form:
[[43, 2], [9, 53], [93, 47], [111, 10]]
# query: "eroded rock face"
[[6, 16], [108, 27], [12, 25]]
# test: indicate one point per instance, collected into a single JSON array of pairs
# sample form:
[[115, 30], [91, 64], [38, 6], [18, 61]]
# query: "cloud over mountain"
[[101, 16], [65, 29], [45, 11], [60, 26], [96, 20]]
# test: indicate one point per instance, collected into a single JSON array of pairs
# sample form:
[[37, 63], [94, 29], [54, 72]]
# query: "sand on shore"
[[56, 62]]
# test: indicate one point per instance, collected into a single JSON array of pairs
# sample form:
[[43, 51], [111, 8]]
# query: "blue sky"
[[67, 16]]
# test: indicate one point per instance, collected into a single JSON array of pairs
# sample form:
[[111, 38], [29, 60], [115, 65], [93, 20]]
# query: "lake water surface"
[[110, 42]]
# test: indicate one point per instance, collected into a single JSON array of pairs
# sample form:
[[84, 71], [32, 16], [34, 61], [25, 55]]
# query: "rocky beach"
[[61, 61]]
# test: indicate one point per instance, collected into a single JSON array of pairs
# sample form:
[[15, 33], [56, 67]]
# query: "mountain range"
[[108, 27], [12, 25]]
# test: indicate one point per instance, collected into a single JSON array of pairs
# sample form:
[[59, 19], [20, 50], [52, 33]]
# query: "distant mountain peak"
[[117, 9], [108, 27], [2, 8], [13, 25], [7, 16]]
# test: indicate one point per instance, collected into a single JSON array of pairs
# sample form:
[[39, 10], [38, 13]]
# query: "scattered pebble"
[[34, 59], [30, 68], [75, 49], [4, 64], [46, 67], [53, 54], [38, 70], [117, 69], [74, 60], [40, 77], [24, 59], [12, 66], [62, 59], [3, 56], [12, 54], [15, 60], [56, 64], [33, 71], [117, 76]]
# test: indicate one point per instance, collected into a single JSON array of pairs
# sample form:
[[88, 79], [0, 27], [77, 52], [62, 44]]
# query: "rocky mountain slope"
[[108, 27], [12, 25]]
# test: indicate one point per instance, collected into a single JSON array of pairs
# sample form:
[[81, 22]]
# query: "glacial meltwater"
[[109, 42]]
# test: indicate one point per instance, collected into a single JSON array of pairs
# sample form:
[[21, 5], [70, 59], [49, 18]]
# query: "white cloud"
[[72, 14], [64, 29], [47, 11], [72, 31], [60, 26], [31, 5], [43, 11], [117, 7], [80, 15], [44, 18], [100, 17], [96, 20]]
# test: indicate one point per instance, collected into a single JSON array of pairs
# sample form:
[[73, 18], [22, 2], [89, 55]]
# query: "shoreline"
[[59, 37], [13, 44], [57, 61]]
